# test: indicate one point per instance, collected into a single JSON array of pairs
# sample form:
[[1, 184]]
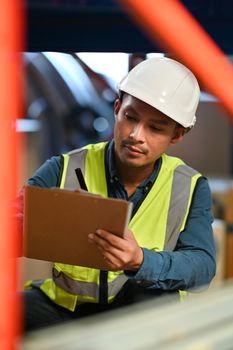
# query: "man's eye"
[[130, 117], [155, 129]]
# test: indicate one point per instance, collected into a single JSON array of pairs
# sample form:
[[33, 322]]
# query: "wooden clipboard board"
[[57, 223]]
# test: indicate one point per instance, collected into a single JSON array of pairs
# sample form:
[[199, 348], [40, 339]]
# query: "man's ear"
[[117, 105], [178, 136]]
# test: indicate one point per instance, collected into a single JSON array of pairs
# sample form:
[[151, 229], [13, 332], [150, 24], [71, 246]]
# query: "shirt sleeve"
[[192, 264], [48, 174]]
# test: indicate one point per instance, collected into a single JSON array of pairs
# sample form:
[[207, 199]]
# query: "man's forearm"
[[180, 270]]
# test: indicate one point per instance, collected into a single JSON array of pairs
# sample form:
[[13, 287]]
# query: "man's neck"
[[133, 177]]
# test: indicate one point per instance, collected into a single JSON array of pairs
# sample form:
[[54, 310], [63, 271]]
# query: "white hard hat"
[[166, 85]]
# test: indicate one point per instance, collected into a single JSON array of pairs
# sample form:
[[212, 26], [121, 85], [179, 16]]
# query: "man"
[[169, 243]]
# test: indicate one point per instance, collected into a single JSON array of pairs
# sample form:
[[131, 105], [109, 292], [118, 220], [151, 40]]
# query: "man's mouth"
[[134, 148]]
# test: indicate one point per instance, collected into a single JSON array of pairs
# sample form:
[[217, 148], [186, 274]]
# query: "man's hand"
[[120, 253]]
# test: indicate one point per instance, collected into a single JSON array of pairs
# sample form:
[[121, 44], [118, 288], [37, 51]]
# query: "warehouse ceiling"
[[102, 26]]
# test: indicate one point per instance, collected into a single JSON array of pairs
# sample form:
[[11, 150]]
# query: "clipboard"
[[57, 223]]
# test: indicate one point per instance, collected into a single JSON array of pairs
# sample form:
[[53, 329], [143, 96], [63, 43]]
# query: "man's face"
[[142, 133]]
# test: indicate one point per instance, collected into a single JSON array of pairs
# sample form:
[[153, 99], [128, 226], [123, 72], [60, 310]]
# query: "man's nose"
[[137, 133]]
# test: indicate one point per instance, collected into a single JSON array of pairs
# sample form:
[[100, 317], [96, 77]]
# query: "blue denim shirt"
[[192, 264]]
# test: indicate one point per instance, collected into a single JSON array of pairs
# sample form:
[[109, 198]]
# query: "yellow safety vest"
[[156, 224]]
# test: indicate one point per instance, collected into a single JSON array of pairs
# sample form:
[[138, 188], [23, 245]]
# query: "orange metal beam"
[[171, 25], [10, 44]]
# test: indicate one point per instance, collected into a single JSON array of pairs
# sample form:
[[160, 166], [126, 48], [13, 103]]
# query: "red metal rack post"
[[11, 30]]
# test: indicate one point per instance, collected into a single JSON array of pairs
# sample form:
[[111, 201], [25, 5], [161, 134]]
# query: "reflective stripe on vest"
[[181, 181], [75, 157], [88, 289]]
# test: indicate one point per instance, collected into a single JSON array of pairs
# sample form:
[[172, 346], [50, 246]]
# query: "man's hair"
[[121, 95]]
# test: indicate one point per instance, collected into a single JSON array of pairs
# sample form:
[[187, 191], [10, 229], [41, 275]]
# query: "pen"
[[81, 180]]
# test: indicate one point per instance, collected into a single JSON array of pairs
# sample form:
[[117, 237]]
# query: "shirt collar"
[[110, 158]]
